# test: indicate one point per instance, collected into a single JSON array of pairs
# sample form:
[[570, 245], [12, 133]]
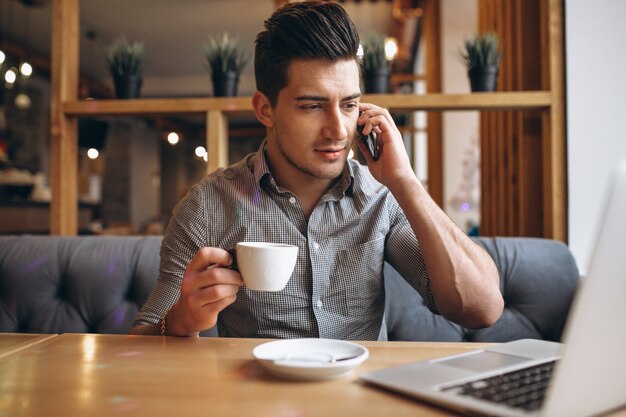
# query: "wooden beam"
[[63, 128], [554, 168], [216, 140], [432, 41]]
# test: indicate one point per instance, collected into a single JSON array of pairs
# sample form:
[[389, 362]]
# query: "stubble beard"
[[321, 173]]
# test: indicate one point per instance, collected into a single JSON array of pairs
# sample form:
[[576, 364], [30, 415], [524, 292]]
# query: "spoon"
[[317, 357]]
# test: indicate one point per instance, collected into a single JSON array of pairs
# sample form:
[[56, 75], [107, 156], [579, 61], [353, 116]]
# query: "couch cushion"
[[97, 284], [65, 284], [538, 278]]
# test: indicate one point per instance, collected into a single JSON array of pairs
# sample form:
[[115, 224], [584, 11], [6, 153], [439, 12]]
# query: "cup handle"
[[233, 265]]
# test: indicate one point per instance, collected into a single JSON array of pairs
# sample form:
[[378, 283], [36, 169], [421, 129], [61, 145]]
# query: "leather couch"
[[91, 284]]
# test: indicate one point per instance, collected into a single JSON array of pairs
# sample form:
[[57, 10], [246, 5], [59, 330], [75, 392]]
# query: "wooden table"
[[14, 342], [108, 375]]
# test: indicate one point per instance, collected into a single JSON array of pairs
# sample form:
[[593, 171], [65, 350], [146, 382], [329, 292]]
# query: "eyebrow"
[[322, 98]]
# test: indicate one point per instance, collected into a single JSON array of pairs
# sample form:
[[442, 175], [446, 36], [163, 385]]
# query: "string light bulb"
[[173, 138], [26, 69], [391, 48], [202, 153], [22, 101], [92, 153], [10, 76]]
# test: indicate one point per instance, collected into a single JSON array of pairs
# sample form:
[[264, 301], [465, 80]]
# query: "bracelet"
[[163, 324]]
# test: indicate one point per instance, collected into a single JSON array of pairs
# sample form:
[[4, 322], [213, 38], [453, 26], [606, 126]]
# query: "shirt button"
[[319, 303], [316, 246], [292, 200]]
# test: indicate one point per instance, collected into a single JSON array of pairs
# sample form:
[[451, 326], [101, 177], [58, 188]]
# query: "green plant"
[[481, 51], [374, 56], [126, 58], [222, 53]]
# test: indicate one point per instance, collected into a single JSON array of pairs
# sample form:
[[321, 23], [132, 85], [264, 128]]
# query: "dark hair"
[[304, 30]]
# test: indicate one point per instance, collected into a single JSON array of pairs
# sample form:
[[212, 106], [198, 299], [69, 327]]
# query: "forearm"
[[463, 277]]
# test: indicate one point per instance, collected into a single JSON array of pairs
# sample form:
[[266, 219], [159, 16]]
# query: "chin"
[[330, 174]]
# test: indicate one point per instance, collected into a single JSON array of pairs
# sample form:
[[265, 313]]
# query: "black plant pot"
[[225, 84], [127, 86], [376, 81], [483, 79]]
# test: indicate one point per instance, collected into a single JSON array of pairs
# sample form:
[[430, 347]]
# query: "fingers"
[[206, 257], [212, 297], [207, 289], [377, 115], [204, 270], [206, 280]]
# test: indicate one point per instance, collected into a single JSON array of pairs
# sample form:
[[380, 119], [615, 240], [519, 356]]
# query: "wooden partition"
[[545, 100], [523, 152]]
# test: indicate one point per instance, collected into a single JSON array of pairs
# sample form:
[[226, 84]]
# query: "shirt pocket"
[[357, 279]]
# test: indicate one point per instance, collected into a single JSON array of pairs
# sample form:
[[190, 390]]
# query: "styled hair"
[[306, 30]]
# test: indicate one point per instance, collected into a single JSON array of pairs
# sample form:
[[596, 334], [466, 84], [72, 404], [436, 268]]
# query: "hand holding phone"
[[369, 140]]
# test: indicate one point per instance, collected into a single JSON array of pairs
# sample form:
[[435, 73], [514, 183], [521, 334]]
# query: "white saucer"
[[310, 359]]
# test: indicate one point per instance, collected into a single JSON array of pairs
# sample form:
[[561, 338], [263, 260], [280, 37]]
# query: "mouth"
[[331, 153]]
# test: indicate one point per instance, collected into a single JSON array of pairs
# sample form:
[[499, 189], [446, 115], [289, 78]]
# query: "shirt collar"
[[259, 166]]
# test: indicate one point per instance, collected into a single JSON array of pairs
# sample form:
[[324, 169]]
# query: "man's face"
[[314, 120]]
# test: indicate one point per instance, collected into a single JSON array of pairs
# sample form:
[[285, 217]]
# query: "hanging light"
[[2, 57], [173, 138], [391, 48], [22, 101], [10, 76], [200, 151], [92, 153], [26, 69]]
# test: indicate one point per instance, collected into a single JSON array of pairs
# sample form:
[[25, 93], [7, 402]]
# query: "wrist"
[[172, 325]]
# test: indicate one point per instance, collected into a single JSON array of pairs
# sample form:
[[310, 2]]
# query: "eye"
[[351, 105], [311, 106]]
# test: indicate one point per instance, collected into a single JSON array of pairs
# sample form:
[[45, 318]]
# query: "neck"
[[308, 189]]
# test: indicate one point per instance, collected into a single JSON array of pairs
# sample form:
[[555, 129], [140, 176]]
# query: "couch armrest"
[[538, 278]]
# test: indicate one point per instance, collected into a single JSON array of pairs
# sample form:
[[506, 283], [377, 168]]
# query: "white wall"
[[596, 111], [460, 129]]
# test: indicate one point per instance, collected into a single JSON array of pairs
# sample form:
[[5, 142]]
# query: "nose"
[[335, 126]]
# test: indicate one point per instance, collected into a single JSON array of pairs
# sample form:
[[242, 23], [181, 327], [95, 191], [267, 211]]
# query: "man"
[[301, 189]]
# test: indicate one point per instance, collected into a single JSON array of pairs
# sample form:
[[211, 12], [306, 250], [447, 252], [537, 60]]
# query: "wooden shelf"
[[473, 101], [145, 106], [409, 102], [507, 157]]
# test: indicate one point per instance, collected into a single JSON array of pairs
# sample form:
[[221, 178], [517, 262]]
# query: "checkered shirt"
[[337, 288]]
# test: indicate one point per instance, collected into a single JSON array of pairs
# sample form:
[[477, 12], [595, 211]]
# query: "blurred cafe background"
[[133, 169], [499, 163]]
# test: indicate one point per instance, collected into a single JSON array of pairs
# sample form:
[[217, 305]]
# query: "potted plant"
[[225, 62], [126, 61], [482, 55], [376, 66]]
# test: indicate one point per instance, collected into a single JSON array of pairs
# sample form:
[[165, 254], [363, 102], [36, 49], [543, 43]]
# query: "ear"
[[263, 109]]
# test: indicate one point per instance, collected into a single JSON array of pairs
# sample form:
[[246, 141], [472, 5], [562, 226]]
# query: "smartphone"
[[369, 140]]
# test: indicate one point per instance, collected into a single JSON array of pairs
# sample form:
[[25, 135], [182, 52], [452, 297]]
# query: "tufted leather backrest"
[[97, 284], [75, 284], [538, 278]]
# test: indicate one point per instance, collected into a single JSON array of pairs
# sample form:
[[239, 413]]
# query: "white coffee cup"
[[266, 266]]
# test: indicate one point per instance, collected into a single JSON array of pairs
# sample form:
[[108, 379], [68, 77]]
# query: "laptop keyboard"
[[523, 388]]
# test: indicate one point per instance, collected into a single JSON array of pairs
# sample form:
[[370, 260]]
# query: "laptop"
[[586, 375]]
